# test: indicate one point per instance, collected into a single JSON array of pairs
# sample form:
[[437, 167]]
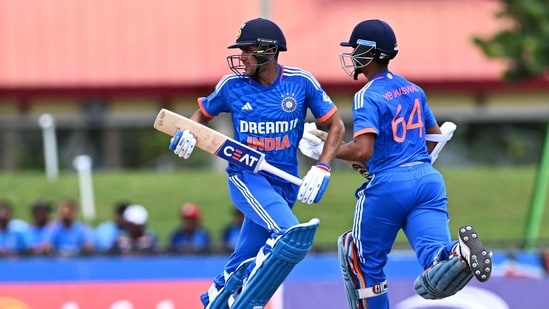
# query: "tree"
[[525, 44]]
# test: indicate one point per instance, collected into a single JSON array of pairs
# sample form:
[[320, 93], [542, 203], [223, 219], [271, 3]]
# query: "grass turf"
[[495, 200]]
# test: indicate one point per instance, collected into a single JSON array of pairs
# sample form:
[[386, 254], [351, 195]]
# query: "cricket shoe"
[[473, 252]]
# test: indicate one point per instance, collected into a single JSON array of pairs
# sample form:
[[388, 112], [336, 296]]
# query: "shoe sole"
[[478, 257]]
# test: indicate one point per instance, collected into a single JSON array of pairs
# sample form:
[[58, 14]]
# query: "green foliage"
[[525, 44], [493, 199]]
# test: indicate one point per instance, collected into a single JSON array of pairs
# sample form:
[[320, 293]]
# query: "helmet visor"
[[360, 57], [248, 62]]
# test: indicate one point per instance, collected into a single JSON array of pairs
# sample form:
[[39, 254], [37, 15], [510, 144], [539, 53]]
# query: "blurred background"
[[104, 68], [81, 82]]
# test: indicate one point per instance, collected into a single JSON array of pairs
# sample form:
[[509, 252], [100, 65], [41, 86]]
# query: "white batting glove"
[[314, 183], [311, 146], [182, 143]]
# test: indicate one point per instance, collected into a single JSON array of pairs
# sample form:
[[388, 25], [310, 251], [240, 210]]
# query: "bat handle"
[[265, 166], [447, 129]]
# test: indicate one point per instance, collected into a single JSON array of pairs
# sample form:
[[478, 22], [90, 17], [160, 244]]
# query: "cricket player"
[[391, 119], [268, 103]]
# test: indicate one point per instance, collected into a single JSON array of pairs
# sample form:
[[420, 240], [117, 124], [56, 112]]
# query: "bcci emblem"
[[239, 33], [289, 104]]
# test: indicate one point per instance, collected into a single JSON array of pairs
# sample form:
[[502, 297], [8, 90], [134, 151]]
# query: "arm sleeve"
[[320, 103], [215, 103]]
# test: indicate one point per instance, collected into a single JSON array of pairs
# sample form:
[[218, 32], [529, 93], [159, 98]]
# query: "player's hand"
[[314, 183], [182, 143], [310, 144]]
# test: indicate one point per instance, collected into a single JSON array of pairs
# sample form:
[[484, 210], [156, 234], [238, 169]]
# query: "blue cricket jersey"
[[396, 110], [70, 240], [270, 118]]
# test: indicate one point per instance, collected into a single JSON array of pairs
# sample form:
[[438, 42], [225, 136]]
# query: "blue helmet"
[[377, 32], [262, 32]]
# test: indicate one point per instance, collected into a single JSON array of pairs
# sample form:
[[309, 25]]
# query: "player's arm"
[[316, 180], [199, 117], [336, 130], [360, 149], [432, 130], [184, 140]]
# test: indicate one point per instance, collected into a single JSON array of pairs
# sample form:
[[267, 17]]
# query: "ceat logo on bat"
[[240, 155]]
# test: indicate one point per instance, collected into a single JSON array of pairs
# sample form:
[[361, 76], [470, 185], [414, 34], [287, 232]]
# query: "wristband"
[[324, 166]]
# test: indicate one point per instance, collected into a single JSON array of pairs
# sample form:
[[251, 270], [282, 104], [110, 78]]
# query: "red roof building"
[[182, 44]]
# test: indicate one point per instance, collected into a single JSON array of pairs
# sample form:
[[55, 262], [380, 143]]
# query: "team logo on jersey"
[[289, 103]]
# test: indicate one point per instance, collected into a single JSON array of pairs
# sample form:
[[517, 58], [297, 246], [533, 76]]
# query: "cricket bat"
[[448, 128], [220, 145]]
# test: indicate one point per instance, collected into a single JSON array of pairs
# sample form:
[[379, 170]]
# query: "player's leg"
[[251, 238], [428, 233], [268, 214], [363, 254], [467, 258], [261, 202], [355, 284], [446, 272], [274, 263]]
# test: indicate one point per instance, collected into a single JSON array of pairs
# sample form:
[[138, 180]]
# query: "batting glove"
[[314, 183], [182, 143], [311, 145]]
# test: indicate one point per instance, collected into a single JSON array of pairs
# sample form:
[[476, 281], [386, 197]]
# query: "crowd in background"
[[127, 233]]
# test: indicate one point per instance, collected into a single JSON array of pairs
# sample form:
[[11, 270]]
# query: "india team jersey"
[[270, 118], [396, 110]]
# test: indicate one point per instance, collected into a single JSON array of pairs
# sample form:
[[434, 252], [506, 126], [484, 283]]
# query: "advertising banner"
[[105, 295]]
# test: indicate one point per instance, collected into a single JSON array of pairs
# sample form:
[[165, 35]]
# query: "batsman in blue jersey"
[[268, 104], [391, 119]]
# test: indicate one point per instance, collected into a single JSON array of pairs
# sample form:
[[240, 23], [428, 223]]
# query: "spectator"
[[231, 232], [12, 239], [70, 236], [136, 238], [190, 237], [40, 227], [107, 232]]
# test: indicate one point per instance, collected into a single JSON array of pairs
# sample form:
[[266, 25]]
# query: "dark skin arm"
[[199, 117], [359, 149], [432, 130], [362, 147], [336, 130]]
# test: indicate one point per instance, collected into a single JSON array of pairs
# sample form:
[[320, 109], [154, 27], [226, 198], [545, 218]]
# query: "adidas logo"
[[247, 107]]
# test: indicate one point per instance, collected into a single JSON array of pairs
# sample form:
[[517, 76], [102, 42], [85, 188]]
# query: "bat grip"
[[265, 166]]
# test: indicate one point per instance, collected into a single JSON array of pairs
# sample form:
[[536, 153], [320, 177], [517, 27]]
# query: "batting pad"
[[355, 283], [444, 279], [270, 272], [233, 283]]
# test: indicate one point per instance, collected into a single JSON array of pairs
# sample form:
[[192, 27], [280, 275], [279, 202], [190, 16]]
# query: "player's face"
[[251, 59], [247, 57], [358, 59]]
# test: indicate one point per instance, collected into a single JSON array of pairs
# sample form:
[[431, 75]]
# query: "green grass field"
[[495, 200]]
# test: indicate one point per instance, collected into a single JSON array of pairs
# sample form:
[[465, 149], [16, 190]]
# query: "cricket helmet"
[[260, 31], [371, 40], [264, 34], [376, 31]]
